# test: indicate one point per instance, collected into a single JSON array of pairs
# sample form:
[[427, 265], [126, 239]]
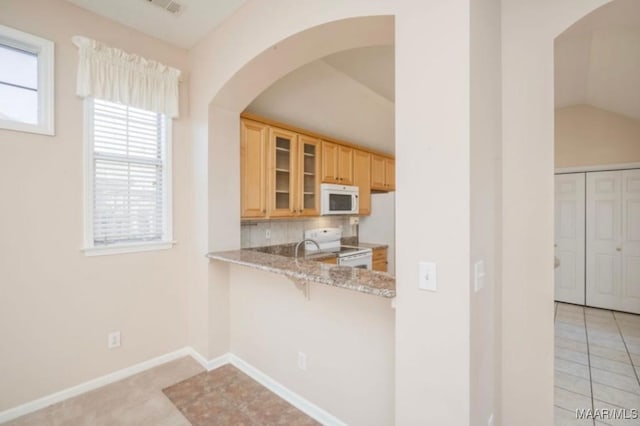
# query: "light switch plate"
[[479, 275], [427, 276]]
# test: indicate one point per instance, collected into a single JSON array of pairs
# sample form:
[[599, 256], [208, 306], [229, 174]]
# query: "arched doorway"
[[528, 31]]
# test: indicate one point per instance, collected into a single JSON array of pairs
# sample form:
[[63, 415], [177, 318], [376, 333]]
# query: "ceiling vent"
[[171, 6]]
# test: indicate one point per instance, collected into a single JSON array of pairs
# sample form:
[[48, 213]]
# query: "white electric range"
[[328, 240]]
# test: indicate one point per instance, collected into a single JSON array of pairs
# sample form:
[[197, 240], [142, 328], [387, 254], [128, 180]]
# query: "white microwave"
[[338, 199]]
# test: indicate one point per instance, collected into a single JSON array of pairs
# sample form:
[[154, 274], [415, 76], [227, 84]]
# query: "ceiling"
[[371, 66], [184, 30], [597, 60], [348, 95]]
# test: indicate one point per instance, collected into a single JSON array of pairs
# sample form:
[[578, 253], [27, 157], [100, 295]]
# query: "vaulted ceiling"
[[597, 60]]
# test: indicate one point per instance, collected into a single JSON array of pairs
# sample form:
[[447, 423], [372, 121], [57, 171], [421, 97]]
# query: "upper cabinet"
[[309, 160], [362, 179], [294, 180], [253, 173], [383, 173], [337, 163], [281, 168]]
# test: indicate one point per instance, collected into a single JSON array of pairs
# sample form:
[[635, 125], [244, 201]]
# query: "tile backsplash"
[[253, 234]]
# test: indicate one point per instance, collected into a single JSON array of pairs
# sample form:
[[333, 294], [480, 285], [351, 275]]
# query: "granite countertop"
[[307, 270]]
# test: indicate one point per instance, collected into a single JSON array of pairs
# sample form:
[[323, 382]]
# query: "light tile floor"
[[597, 364]]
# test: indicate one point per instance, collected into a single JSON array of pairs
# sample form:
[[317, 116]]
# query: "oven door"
[[361, 260]]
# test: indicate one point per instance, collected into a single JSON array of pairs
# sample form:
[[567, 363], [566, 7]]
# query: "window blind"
[[128, 174]]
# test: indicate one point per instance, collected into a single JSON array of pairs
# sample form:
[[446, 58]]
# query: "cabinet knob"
[[264, 211], [618, 248]]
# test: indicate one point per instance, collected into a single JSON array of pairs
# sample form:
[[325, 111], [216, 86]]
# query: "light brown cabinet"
[[253, 175], [379, 260], [337, 163], [294, 181], [383, 173], [362, 179], [281, 168], [309, 176]]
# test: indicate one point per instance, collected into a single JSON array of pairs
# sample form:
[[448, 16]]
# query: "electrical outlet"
[[354, 220], [302, 361], [267, 234], [113, 340]]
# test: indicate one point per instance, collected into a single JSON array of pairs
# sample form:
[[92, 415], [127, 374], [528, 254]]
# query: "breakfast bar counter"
[[307, 270]]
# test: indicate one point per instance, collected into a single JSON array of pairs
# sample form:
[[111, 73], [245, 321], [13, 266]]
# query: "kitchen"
[[302, 177]]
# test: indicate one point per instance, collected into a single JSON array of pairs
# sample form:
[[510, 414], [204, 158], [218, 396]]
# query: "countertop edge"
[[301, 276]]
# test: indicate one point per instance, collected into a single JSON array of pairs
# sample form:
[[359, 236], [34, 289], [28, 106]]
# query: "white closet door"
[[630, 247], [570, 237], [604, 236]]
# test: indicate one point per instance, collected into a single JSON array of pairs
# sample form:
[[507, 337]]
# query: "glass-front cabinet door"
[[309, 176], [282, 173]]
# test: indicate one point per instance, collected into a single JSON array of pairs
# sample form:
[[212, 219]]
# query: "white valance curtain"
[[114, 75]]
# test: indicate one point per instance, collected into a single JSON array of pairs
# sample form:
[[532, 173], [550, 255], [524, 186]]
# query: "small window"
[[26, 82], [128, 179]]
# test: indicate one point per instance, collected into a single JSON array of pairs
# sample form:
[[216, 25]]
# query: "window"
[[26, 82], [128, 179]]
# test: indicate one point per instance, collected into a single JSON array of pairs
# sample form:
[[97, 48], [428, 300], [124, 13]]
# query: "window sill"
[[127, 248], [42, 129]]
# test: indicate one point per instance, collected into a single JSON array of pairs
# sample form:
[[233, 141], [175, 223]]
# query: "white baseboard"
[[45, 401], [291, 397], [211, 364]]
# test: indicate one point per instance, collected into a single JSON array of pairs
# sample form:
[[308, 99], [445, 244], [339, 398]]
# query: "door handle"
[[555, 245]]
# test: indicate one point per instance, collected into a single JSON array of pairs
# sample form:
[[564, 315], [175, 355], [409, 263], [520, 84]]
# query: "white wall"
[[57, 305], [587, 136], [319, 98], [347, 338]]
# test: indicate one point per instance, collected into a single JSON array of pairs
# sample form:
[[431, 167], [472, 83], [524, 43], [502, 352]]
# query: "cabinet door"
[[283, 168], [379, 260], [570, 238], [362, 179], [253, 174], [377, 173], [390, 174], [329, 162], [309, 176], [345, 165]]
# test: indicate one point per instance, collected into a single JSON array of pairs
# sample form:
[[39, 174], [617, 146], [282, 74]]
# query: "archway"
[[433, 146], [223, 159], [528, 31]]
